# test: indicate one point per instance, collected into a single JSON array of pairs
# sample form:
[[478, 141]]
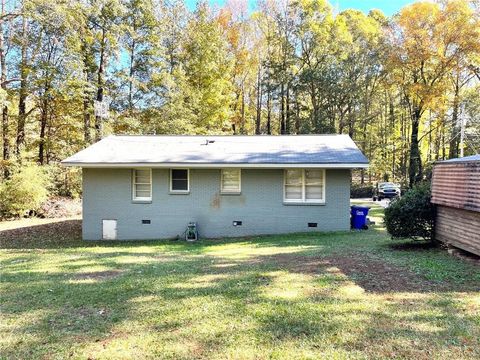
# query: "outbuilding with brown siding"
[[456, 194]]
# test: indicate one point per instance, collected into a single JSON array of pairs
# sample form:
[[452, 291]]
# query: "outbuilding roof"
[[462, 159], [334, 151]]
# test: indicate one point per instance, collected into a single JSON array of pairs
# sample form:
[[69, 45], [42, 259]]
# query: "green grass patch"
[[340, 295]]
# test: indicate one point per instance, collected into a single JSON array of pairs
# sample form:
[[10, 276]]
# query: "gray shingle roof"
[[121, 151]]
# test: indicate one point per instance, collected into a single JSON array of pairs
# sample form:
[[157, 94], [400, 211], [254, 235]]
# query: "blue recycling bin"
[[359, 217]]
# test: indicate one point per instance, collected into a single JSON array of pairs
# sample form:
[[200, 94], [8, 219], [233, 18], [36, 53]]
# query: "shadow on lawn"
[[80, 307], [68, 234], [168, 292], [57, 234]]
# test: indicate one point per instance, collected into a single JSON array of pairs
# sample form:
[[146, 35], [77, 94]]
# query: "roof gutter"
[[215, 165]]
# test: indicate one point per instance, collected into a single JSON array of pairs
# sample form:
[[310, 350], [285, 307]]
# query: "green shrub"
[[24, 191], [361, 191], [412, 215]]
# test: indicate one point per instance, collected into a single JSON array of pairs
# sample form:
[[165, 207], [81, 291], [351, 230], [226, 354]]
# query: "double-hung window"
[[142, 184], [304, 186], [179, 181], [230, 181]]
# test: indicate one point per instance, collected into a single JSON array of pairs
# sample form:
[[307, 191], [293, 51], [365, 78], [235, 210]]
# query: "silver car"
[[386, 190]]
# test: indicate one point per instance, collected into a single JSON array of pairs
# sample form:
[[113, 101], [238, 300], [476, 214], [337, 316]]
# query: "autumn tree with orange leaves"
[[428, 42]]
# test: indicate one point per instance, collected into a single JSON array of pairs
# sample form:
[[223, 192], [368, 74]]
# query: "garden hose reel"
[[191, 234]]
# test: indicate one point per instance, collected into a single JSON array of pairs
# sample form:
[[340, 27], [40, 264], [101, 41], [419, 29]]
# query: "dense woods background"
[[405, 88]]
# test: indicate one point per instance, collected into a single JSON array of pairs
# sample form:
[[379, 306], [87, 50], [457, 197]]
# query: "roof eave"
[[217, 165]]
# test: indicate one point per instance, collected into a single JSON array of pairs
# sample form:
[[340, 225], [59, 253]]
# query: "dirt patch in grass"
[[373, 275], [300, 263], [414, 246], [97, 275], [379, 277], [287, 261], [465, 256]]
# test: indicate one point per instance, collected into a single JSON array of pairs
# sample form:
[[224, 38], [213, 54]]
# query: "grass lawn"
[[342, 295]]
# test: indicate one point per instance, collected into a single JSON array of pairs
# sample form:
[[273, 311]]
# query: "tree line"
[[405, 88]]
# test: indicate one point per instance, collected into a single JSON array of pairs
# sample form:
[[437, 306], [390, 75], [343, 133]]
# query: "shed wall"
[[457, 185], [459, 228], [107, 194]]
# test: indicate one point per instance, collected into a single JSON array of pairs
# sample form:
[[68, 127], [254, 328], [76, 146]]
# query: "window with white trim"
[[304, 185], [142, 184], [230, 181], [179, 180]]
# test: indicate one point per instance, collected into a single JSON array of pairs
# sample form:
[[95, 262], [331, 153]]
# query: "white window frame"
[[134, 195], [303, 199], [188, 182], [222, 191]]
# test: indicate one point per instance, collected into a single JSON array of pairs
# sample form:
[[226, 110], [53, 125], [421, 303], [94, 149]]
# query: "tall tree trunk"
[[5, 138], [43, 119], [269, 112], [364, 148], [429, 148], [130, 79], [235, 107], [444, 151], [455, 134], [86, 97], [392, 131], [314, 116], [3, 79], [351, 121], [415, 165], [100, 84], [297, 115], [22, 92], [242, 111], [258, 119], [437, 141], [287, 111], [86, 118], [370, 156], [48, 150], [282, 109], [43, 126], [341, 122], [404, 145]]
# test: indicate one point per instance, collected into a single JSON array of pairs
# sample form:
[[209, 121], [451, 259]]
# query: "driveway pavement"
[[383, 203]]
